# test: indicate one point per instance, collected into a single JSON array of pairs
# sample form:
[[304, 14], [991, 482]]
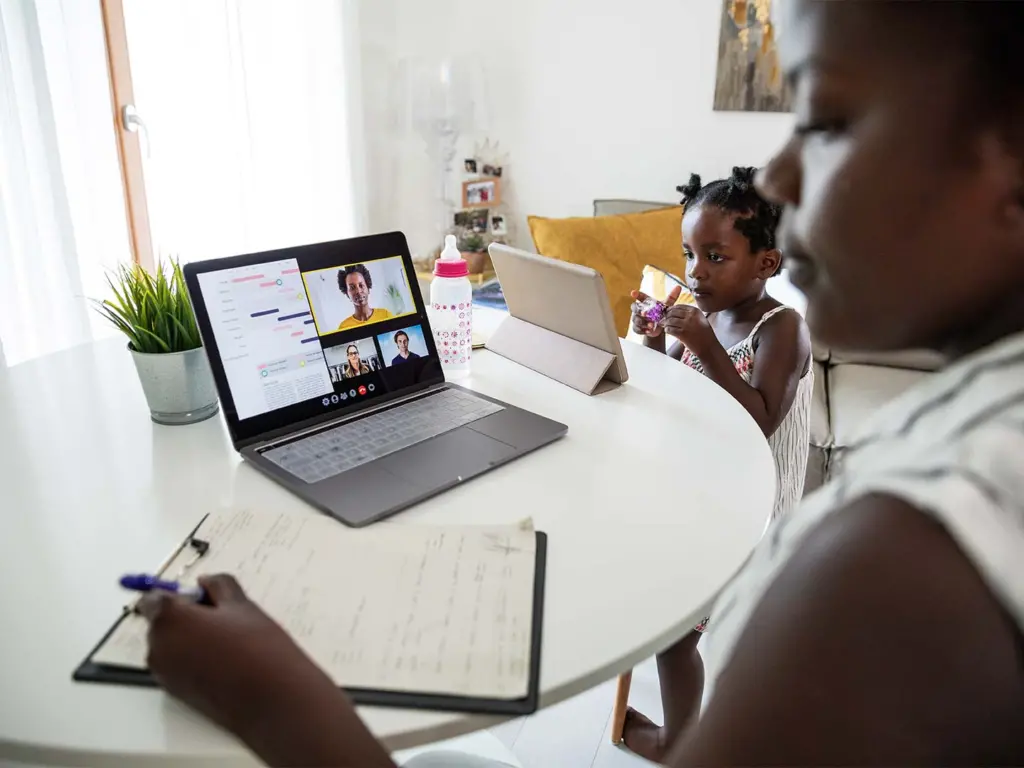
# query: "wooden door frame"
[[129, 147]]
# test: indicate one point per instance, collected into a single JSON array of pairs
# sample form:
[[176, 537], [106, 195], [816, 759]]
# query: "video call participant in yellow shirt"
[[355, 282]]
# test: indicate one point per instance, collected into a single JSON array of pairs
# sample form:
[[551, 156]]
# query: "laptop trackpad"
[[442, 460]]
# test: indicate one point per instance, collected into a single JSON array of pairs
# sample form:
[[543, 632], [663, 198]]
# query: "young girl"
[[752, 346], [883, 623], [756, 349]]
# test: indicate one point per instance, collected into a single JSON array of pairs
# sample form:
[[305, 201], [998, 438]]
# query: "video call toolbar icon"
[[362, 390], [326, 401], [351, 393], [334, 399]]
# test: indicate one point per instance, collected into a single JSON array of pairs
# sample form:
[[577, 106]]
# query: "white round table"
[[90, 489]]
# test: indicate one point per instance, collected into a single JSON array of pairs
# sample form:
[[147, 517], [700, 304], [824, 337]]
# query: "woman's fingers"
[[222, 588]]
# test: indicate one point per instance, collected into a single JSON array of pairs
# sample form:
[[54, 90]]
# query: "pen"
[[143, 583]]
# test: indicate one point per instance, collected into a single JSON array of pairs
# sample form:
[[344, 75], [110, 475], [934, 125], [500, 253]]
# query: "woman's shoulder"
[[951, 448]]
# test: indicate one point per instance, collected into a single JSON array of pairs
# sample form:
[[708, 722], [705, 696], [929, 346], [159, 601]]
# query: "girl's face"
[[721, 270], [904, 225]]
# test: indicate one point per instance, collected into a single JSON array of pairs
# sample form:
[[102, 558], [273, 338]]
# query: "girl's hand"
[[689, 325], [645, 327]]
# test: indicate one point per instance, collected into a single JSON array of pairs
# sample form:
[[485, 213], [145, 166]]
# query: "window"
[[243, 123]]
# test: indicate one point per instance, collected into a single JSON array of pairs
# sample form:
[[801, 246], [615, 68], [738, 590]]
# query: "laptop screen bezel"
[[283, 421]]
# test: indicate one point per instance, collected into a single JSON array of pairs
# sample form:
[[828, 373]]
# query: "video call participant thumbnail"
[[404, 346], [353, 359], [404, 353], [355, 366], [348, 297]]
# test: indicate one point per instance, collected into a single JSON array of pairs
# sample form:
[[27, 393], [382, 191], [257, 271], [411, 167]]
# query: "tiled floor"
[[574, 734]]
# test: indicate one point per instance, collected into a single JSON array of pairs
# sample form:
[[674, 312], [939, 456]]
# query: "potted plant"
[[473, 247], [155, 313]]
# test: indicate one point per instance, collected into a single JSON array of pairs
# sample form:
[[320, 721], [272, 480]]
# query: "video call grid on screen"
[[320, 365]]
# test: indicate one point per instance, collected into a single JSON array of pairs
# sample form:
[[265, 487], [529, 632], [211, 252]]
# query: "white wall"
[[591, 98]]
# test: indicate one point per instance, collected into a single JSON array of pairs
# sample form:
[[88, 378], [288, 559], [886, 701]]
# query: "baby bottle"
[[451, 311]]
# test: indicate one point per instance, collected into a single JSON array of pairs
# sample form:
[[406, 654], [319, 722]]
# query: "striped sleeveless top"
[[790, 443], [952, 447]]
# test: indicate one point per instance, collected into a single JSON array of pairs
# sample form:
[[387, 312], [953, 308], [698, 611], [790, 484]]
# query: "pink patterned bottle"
[[451, 311]]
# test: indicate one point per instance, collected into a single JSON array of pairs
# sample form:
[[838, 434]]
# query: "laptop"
[[330, 381]]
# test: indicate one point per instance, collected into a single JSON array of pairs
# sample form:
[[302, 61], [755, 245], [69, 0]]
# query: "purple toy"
[[650, 310]]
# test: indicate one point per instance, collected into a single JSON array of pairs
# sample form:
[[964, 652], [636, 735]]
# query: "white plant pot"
[[179, 386]]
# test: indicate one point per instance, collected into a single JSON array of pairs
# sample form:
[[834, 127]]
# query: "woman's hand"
[[644, 327], [232, 663], [690, 326]]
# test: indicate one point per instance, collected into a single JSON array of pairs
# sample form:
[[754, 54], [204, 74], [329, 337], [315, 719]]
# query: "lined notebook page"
[[431, 610]]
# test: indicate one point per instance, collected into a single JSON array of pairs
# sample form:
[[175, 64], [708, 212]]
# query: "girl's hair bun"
[[690, 189], [742, 179], [756, 218]]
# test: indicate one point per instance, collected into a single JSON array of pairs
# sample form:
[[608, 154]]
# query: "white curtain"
[[61, 207], [246, 108], [252, 114]]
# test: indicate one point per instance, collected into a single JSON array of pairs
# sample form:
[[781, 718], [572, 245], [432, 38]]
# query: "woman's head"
[[728, 240], [903, 183], [353, 355], [355, 282]]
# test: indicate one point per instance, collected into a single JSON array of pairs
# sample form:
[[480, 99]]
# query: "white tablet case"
[[560, 321]]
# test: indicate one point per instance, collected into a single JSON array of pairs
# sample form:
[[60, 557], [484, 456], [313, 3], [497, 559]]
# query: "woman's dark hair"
[[994, 35], [350, 347], [756, 218], [353, 270]]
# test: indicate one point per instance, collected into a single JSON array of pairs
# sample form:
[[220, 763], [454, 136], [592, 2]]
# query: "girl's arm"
[[657, 343], [782, 357]]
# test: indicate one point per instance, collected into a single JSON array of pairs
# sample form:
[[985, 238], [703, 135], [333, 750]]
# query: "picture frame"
[[475, 220], [470, 165], [499, 227], [481, 193]]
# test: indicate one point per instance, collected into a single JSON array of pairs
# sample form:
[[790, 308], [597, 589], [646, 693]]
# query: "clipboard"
[[91, 672]]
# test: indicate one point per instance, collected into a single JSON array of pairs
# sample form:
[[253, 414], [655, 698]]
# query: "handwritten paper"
[[433, 610]]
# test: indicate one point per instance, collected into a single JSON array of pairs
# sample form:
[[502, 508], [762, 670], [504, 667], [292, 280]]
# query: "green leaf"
[[152, 310]]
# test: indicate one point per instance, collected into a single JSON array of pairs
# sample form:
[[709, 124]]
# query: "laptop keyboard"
[[348, 446]]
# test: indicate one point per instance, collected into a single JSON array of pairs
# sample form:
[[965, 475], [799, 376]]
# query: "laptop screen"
[[301, 333]]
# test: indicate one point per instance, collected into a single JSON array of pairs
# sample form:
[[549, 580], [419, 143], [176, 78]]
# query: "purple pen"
[[144, 583]]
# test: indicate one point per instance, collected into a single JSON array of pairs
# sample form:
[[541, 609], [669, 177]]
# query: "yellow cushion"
[[619, 247]]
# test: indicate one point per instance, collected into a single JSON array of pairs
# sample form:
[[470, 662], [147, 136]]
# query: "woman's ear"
[[769, 263]]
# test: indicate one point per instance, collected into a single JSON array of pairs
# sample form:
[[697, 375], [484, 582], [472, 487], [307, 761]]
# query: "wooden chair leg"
[[621, 705]]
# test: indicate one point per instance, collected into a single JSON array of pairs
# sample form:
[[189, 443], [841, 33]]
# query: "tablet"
[[567, 299]]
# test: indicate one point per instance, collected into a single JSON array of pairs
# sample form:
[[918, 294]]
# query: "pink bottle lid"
[[451, 263]]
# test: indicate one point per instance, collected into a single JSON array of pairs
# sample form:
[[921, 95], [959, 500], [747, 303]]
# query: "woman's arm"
[[878, 644], [231, 662]]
